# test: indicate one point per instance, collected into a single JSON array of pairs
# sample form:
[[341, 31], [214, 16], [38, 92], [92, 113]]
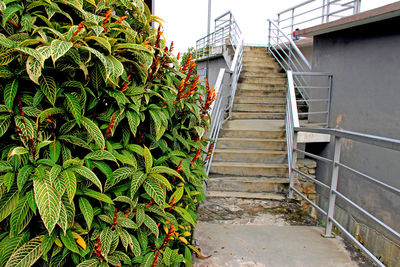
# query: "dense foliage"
[[101, 136]]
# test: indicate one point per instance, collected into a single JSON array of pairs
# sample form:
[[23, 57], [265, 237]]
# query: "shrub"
[[101, 136]]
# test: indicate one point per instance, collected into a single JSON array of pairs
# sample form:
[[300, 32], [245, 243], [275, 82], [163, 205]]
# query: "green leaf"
[[74, 107], [126, 223], [26, 255], [106, 239], [96, 195], [148, 260], [151, 224], [161, 179], [8, 202], [87, 211], [185, 215], [105, 169], [88, 174], [23, 176], [7, 57], [10, 244], [4, 124], [8, 180], [48, 87], [177, 195], [101, 155], [70, 183], [148, 159], [32, 52], [9, 12], [94, 132], [119, 175], [103, 59], [10, 91], [164, 169], [58, 48], [137, 180], [69, 242], [7, 43], [54, 172], [19, 150], [133, 120], [89, 263], [63, 219], [101, 41], [47, 243], [153, 188], [20, 217], [48, 202], [55, 151]]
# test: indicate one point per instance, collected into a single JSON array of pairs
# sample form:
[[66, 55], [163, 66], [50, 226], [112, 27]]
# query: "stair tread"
[[255, 151], [251, 139], [255, 125], [232, 194], [249, 164], [279, 180]]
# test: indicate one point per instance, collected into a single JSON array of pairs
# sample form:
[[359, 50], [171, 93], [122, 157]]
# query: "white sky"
[[186, 20]]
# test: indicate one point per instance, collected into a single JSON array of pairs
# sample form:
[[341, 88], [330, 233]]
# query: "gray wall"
[[365, 62]]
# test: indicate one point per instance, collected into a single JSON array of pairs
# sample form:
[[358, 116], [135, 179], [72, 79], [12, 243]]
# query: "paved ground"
[[259, 233]]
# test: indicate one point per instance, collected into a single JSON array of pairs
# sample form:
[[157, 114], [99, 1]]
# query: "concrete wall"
[[365, 62]]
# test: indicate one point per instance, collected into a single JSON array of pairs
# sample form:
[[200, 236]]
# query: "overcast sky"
[[186, 20]]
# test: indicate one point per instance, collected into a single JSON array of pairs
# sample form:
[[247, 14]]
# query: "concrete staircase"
[[250, 160]]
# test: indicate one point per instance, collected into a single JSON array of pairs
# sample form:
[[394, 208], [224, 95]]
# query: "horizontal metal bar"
[[388, 228], [313, 87], [315, 124], [309, 201], [313, 73], [339, 11], [313, 112], [358, 244], [384, 142], [314, 156], [223, 15], [296, 6], [312, 179], [371, 179], [312, 100]]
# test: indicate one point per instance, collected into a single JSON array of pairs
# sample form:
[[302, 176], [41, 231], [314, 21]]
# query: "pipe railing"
[[224, 102], [314, 12], [335, 176], [226, 32]]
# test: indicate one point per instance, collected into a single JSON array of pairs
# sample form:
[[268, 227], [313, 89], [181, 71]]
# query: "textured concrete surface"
[[268, 242]]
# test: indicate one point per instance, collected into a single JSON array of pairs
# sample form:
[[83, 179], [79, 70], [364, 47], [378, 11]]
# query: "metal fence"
[[224, 102], [226, 32], [314, 12], [292, 132]]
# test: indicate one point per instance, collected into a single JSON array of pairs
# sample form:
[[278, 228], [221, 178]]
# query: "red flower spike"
[[196, 156], [178, 56]]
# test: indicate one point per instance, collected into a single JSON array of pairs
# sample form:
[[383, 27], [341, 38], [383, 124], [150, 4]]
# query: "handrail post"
[[269, 34], [333, 187], [293, 165]]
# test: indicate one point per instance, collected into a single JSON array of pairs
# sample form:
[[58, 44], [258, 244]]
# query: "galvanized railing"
[[226, 32], [224, 102], [335, 176], [314, 12]]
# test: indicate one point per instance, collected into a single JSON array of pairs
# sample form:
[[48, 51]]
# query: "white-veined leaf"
[[74, 107], [8, 202], [48, 202], [34, 69], [70, 183], [136, 181], [48, 87], [87, 211], [10, 91], [94, 132], [148, 159], [88, 174], [58, 48], [26, 255], [153, 188]]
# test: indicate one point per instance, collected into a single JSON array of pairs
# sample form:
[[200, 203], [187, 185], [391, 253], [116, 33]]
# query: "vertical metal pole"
[[292, 24], [323, 10], [209, 18], [356, 6], [277, 31], [208, 37], [269, 34], [328, 10], [334, 181], [293, 164], [329, 100]]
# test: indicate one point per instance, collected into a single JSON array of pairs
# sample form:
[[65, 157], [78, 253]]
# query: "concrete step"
[[259, 99], [248, 184], [262, 86], [264, 196], [259, 107], [243, 92], [259, 115], [254, 48], [250, 155], [253, 128], [261, 74], [263, 68], [260, 63], [268, 80], [249, 169], [258, 58], [251, 143]]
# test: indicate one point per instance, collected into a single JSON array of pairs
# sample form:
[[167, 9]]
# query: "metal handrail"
[[226, 31], [336, 164], [236, 68], [315, 12]]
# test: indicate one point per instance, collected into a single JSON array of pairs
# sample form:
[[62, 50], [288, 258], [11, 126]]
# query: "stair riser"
[[249, 144], [251, 134], [265, 68], [267, 80], [259, 100], [267, 116], [258, 108], [261, 74], [246, 186], [261, 86], [251, 63], [249, 171], [259, 58], [260, 93], [248, 157], [254, 49]]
